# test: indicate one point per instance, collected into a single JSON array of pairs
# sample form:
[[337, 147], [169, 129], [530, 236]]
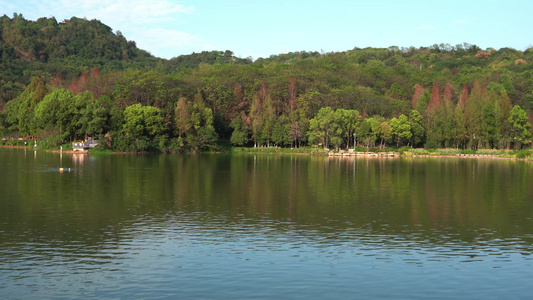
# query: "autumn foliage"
[[436, 99]]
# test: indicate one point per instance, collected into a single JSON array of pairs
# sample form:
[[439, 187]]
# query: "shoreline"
[[15, 147], [52, 151], [68, 151], [372, 155]]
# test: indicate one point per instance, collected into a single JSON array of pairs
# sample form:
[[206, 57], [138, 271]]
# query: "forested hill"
[[87, 80], [48, 48]]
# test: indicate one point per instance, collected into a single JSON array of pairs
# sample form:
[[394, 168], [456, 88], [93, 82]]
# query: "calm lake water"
[[263, 227]]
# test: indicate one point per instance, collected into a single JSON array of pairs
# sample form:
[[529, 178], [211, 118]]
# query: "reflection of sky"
[[203, 257]]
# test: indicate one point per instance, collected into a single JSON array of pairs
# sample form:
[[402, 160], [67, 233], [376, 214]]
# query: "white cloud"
[[153, 25], [121, 10], [169, 43], [131, 12]]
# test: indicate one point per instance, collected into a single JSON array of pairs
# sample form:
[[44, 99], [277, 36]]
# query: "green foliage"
[[194, 124], [57, 109], [520, 127], [460, 127], [17, 142], [397, 91], [468, 151], [323, 128], [294, 99], [385, 132], [205, 57], [348, 121], [523, 153], [124, 143], [401, 129], [134, 121], [46, 47], [280, 134], [365, 133], [143, 121], [239, 136], [277, 150], [417, 128]]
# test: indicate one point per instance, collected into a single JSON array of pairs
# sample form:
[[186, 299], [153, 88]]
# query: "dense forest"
[[64, 81]]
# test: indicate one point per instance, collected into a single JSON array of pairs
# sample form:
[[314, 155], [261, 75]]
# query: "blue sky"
[[168, 28]]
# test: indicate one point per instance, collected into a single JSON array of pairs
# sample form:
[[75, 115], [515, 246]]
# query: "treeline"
[[136, 114], [476, 121], [56, 115], [439, 96]]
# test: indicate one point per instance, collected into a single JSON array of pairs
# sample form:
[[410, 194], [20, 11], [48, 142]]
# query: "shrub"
[[523, 153], [467, 151]]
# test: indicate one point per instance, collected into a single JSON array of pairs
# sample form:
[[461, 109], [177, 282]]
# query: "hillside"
[[46, 48], [191, 100]]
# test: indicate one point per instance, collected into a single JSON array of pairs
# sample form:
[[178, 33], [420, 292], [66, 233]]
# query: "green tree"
[[154, 124], [268, 117], [58, 109], [27, 102], [520, 127], [397, 91], [82, 103], [365, 133], [347, 120], [401, 129], [143, 121], [11, 116], [417, 129], [202, 134], [280, 134], [134, 121], [490, 131], [256, 117], [323, 128], [239, 136], [386, 132], [182, 117], [474, 115], [502, 113], [460, 129]]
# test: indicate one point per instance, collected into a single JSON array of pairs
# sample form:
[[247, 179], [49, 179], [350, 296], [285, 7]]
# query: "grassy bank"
[[521, 154], [279, 150], [227, 148], [403, 151]]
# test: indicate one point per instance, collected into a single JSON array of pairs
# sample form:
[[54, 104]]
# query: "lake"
[[263, 227]]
